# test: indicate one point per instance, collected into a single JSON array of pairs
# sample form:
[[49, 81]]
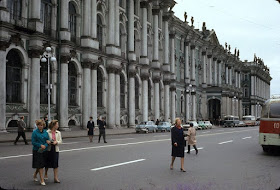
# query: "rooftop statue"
[[192, 20], [185, 16]]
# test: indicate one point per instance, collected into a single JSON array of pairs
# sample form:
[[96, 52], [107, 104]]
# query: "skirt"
[[178, 151], [52, 158], [39, 159]]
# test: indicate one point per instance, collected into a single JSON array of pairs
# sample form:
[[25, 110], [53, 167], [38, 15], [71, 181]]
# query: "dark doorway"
[[214, 111]]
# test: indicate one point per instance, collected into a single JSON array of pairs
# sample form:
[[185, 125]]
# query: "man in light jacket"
[[21, 128]]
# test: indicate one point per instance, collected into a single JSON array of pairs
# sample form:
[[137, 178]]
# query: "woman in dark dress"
[[90, 129], [178, 144]]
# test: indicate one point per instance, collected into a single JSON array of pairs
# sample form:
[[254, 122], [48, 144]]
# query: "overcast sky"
[[253, 26]]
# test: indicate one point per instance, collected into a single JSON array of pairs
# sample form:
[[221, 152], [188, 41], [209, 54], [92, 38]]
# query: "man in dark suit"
[[101, 125], [21, 129]]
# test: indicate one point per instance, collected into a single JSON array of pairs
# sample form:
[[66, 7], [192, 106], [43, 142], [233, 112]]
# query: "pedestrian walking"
[[90, 129], [178, 144], [40, 140], [21, 130], [46, 122], [157, 122], [101, 125], [53, 149], [191, 138]]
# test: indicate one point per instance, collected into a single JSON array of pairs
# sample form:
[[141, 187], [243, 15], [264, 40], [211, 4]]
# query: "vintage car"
[[146, 126], [164, 126], [208, 124], [202, 125], [231, 121], [241, 124], [249, 120]]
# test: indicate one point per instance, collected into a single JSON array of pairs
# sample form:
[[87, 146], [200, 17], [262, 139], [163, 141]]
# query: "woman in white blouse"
[[53, 149]]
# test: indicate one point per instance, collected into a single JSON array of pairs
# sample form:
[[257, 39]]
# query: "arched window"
[[100, 32], [122, 91], [44, 82], [182, 104], [72, 21], [13, 77], [136, 93], [15, 7], [99, 88], [72, 84], [46, 15], [150, 95]]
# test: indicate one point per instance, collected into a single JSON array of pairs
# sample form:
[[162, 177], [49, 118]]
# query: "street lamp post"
[[257, 109], [234, 100], [47, 57]]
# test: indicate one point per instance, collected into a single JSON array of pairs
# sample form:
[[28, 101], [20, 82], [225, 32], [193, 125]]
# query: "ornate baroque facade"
[[129, 61]]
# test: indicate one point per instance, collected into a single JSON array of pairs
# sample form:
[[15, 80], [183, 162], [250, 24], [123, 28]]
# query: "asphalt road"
[[228, 158]]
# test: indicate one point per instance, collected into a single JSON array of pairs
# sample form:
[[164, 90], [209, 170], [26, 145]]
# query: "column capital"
[[64, 59], [166, 82], [155, 11], [172, 35], [4, 45], [219, 61], [111, 70], [203, 53], [35, 53], [172, 88], [144, 4], [94, 66], [209, 56], [187, 43], [215, 59], [192, 46], [86, 64], [165, 18], [156, 79]]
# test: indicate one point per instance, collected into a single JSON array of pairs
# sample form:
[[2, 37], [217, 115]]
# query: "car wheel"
[[137, 131], [147, 131]]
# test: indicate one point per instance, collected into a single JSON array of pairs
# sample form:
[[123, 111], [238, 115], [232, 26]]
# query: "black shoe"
[[105, 141], [188, 152], [196, 151], [182, 170], [15, 143]]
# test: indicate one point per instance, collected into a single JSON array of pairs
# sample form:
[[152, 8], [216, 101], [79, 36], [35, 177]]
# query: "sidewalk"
[[11, 136]]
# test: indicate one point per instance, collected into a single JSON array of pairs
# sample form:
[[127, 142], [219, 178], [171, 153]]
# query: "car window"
[[143, 123]]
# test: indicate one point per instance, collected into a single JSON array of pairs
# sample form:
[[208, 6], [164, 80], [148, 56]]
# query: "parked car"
[[241, 124], [258, 121], [201, 125], [231, 121], [249, 120], [146, 126], [164, 126], [208, 124], [195, 125], [186, 126]]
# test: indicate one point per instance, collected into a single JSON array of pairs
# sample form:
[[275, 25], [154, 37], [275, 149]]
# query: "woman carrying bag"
[[53, 149]]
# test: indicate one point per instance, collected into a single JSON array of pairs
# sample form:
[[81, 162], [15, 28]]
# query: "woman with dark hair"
[[90, 128], [40, 140], [53, 149], [178, 144]]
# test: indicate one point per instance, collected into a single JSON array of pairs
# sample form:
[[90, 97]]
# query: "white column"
[[236, 79], [94, 94], [111, 99], [193, 64], [155, 44], [187, 63], [215, 72], [227, 75], [187, 106], [86, 94], [64, 13], [35, 90], [156, 100], [239, 80], [219, 74], [117, 25], [93, 22], [117, 101], [166, 102], [194, 106], [36, 8], [2, 90], [230, 75], [86, 18], [63, 98], [172, 53], [130, 26], [173, 112], [144, 43], [228, 105], [204, 60], [112, 22], [252, 86], [131, 104], [145, 107], [210, 81]]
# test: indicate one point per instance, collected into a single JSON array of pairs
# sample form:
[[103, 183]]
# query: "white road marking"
[[115, 165], [226, 142], [116, 145], [206, 132], [220, 130], [161, 135], [200, 148], [246, 137], [121, 139], [72, 142]]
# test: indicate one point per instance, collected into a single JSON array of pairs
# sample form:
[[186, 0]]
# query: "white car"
[[195, 125], [208, 124]]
